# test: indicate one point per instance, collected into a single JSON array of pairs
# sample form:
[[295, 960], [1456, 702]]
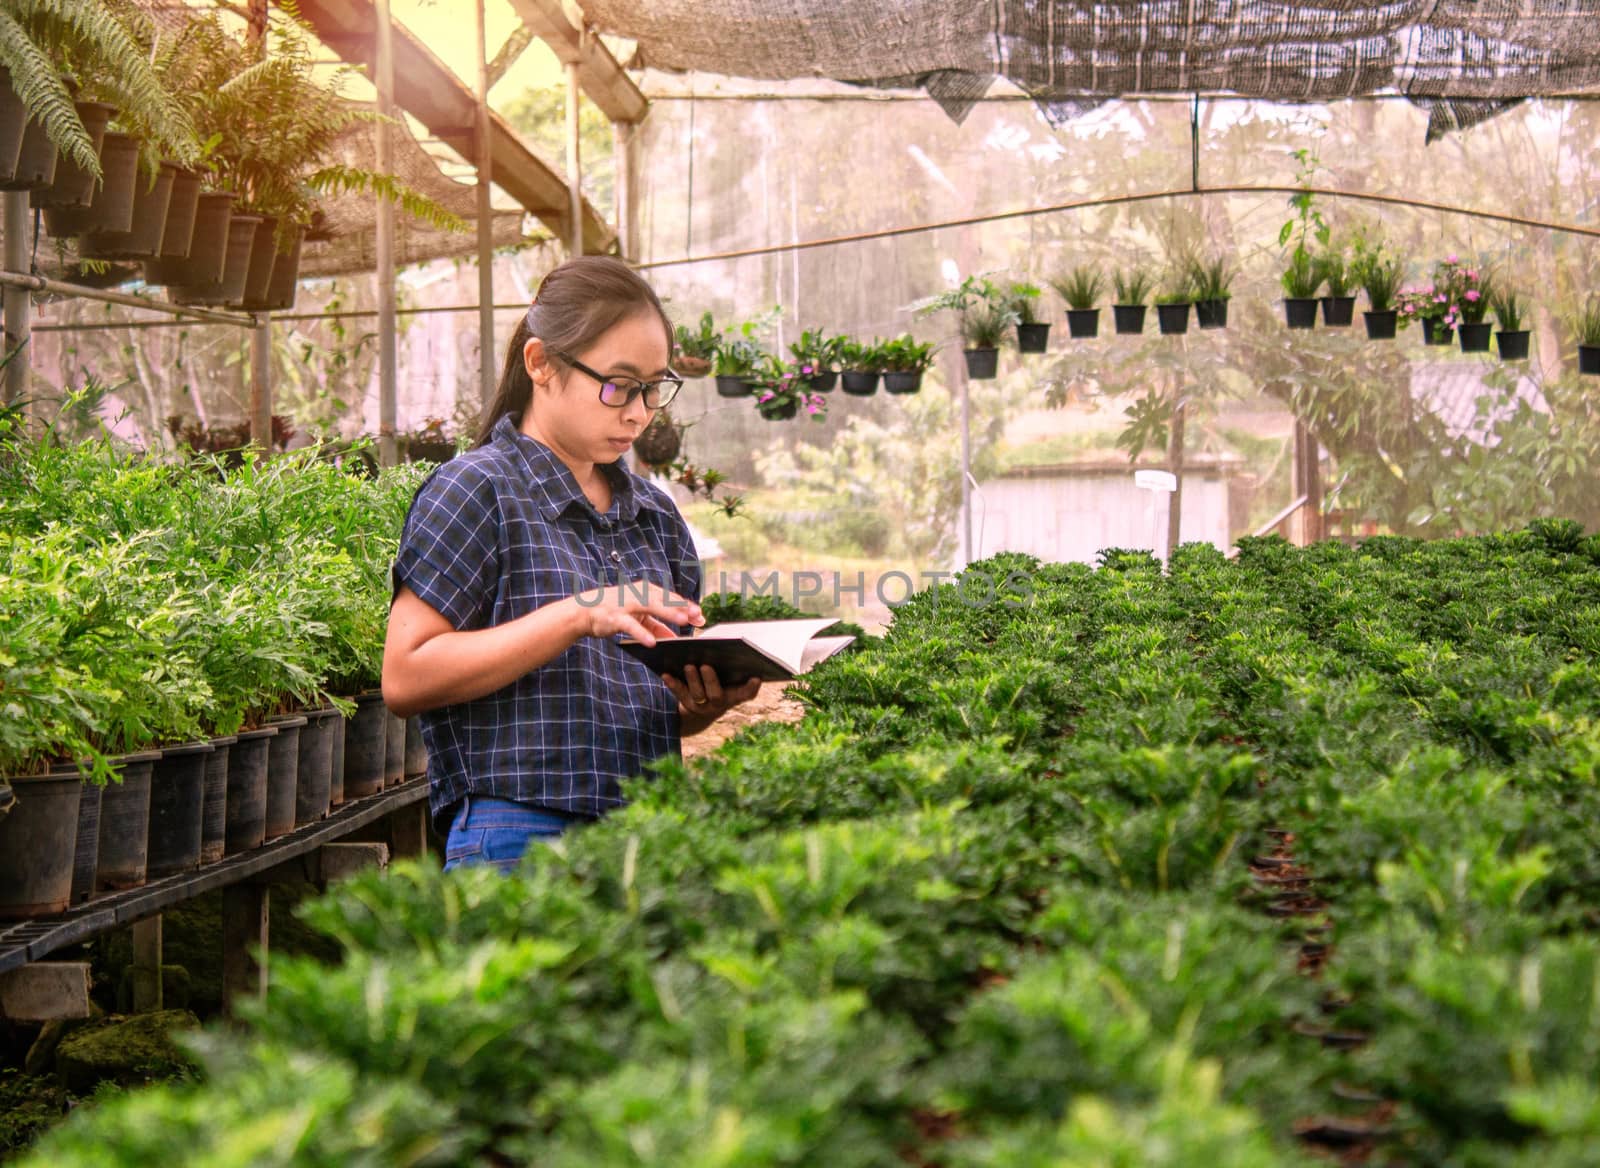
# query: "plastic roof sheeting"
[[1464, 60]]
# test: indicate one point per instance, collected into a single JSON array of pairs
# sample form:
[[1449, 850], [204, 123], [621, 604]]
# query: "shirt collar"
[[556, 489]]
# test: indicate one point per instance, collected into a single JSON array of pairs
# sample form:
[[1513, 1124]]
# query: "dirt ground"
[[770, 705]]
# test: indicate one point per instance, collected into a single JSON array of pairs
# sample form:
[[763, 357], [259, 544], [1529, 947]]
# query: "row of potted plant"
[[179, 146], [817, 364], [160, 620]]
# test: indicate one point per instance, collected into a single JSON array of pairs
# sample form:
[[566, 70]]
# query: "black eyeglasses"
[[620, 391]]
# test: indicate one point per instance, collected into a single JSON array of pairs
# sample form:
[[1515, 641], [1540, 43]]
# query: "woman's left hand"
[[701, 697]]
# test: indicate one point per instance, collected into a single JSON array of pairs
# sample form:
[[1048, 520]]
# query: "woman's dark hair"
[[575, 304]]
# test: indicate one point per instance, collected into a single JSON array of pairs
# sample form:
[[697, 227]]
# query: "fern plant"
[[106, 45]]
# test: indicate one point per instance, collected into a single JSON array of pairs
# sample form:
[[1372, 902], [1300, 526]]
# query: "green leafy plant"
[[986, 326], [1210, 278], [700, 343], [1132, 286], [1081, 287], [1023, 300], [1586, 324], [741, 357], [1331, 267], [1307, 228], [816, 352], [1177, 289], [905, 354], [1302, 277], [1509, 308], [984, 311], [1378, 274]]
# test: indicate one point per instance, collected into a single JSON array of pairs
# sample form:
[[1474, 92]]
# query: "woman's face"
[[567, 407]]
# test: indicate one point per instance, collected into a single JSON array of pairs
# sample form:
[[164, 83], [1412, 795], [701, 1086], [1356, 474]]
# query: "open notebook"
[[772, 650]]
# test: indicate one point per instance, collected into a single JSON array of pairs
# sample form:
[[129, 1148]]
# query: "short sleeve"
[[450, 546]]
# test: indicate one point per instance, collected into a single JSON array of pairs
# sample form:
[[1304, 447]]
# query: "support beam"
[[486, 345], [18, 304], [622, 187], [45, 991], [147, 965], [574, 165], [605, 81], [244, 941], [388, 446], [261, 385], [1175, 465], [957, 362]]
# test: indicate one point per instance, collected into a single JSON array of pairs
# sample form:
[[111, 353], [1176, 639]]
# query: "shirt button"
[[616, 556]]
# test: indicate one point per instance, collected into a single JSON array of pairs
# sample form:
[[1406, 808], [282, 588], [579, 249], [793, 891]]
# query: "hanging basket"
[[1033, 338], [1129, 319], [1513, 345], [687, 366], [660, 443], [1211, 314], [73, 186], [1381, 325], [859, 382], [1173, 319], [142, 240], [110, 206], [1338, 311], [229, 288], [203, 258], [1300, 312], [902, 381], [982, 364]]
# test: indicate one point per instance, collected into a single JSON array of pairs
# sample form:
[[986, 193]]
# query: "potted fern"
[[1081, 288], [696, 350], [1211, 282], [1033, 335], [1339, 304], [1510, 312], [1587, 327], [1132, 288]]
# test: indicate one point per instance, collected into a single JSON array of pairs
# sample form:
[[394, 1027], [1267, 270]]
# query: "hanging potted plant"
[[1132, 287], [1338, 305], [905, 360], [696, 350], [1380, 277], [862, 366], [1587, 327], [1510, 311], [815, 355], [660, 443], [1211, 284], [428, 443], [1172, 306], [1081, 288], [782, 392], [1476, 290], [1301, 279], [738, 363], [985, 316], [1033, 335]]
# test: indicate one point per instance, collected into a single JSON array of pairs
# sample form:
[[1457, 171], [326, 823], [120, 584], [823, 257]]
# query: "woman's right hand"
[[641, 609]]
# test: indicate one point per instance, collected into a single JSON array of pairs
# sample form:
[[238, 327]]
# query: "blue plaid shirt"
[[497, 533]]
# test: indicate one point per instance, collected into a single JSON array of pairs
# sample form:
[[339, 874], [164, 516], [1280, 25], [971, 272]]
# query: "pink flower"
[[806, 369], [765, 395], [1439, 299], [1452, 259], [1472, 273], [1472, 294]]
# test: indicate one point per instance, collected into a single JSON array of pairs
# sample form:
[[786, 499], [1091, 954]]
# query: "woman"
[[524, 558]]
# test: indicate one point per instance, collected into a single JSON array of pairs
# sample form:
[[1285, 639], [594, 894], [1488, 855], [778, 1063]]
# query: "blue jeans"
[[497, 832]]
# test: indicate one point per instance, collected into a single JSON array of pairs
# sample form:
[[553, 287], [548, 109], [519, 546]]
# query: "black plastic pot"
[[111, 201], [823, 382], [13, 123], [1589, 359], [1083, 323], [416, 752], [177, 809], [284, 284], [248, 763], [728, 386], [1338, 311], [73, 186], [982, 364], [258, 269], [229, 288], [1474, 338], [37, 841], [1513, 345], [313, 783], [148, 221], [1211, 314], [1033, 338], [394, 751], [778, 411], [902, 381], [36, 160], [1300, 312], [86, 851], [214, 812], [207, 253], [283, 773], [1434, 333], [125, 825], [336, 765], [1381, 325], [1172, 319], [1129, 319], [858, 382], [183, 210], [366, 739]]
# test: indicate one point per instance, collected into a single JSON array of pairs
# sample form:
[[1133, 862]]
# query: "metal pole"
[[388, 452], [21, 279], [622, 167], [574, 161], [261, 384], [17, 301], [966, 464], [486, 348]]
